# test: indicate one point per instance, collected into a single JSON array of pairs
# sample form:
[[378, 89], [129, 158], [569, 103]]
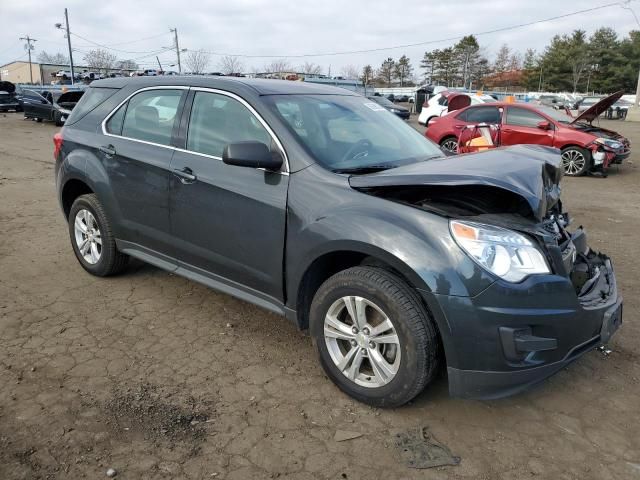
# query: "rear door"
[[228, 221], [137, 153], [520, 126]]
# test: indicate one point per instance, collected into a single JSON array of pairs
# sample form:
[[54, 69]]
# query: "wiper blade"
[[364, 169]]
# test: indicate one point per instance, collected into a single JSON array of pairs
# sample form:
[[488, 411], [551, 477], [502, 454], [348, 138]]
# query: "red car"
[[584, 147]]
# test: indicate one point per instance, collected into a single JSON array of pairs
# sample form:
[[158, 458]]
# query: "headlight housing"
[[609, 143], [505, 253]]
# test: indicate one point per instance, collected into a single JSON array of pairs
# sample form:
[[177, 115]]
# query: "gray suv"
[[320, 205]]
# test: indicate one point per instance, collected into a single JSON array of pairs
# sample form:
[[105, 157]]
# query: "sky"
[[285, 28]]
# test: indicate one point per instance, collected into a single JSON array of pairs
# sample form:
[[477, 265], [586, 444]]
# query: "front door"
[[523, 126], [228, 221], [136, 153]]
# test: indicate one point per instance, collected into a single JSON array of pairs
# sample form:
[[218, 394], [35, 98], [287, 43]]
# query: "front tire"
[[374, 337], [449, 144], [576, 161], [92, 238]]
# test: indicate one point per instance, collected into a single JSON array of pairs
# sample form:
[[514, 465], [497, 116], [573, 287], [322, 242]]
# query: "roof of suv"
[[259, 85]]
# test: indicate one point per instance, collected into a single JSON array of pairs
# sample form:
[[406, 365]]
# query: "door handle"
[[108, 150], [185, 175], [458, 126]]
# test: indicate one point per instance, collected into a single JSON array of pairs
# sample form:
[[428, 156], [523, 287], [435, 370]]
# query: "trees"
[[230, 65], [100, 59], [55, 58], [367, 75], [403, 70], [197, 61], [503, 59], [311, 68], [463, 64], [386, 71], [127, 64], [350, 71], [278, 66]]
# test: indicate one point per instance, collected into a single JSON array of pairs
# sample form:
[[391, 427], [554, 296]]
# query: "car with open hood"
[[55, 106], [584, 147], [318, 204], [9, 100]]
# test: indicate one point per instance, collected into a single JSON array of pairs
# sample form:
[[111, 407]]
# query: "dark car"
[[585, 148], [313, 202], [398, 110], [9, 100], [52, 106]]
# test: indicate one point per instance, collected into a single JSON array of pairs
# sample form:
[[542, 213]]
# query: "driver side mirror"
[[251, 154], [544, 125]]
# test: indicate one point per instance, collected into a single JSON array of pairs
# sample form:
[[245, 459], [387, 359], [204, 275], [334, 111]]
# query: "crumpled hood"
[[532, 172], [594, 111]]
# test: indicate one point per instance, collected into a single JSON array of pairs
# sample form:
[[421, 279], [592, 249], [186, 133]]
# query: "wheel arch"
[[72, 189], [329, 262]]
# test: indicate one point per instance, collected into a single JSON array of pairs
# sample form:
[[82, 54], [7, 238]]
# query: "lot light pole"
[[59, 25], [29, 47]]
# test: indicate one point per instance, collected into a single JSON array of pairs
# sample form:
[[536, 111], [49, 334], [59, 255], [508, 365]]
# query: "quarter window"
[[114, 124], [523, 118], [490, 115], [217, 120], [150, 116]]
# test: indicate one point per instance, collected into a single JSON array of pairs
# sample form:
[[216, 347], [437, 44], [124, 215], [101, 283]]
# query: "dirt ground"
[[159, 377]]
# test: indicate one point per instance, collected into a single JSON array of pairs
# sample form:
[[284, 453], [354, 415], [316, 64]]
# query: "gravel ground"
[[159, 377]]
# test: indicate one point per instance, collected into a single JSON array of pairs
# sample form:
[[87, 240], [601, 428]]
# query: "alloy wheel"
[[362, 341], [573, 162], [88, 237], [450, 145]]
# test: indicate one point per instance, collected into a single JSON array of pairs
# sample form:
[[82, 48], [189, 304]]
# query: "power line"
[[427, 42], [106, 47]]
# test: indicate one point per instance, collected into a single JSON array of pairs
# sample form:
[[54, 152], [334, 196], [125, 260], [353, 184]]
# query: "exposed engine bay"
[[568, 253]]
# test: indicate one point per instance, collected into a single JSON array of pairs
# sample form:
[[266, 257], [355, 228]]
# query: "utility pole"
[[175, 41], [68, 35], [66, 20], [29, 47]]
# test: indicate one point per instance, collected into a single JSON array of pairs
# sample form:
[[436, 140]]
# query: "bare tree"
[[100, 59], [230, 65], [350, 71], [503, 59], [197, 61], [367, 75], [278, 66], [126, 65], [55, 58], [311, 68]]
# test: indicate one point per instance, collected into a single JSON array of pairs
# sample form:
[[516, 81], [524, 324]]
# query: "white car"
[[437, 105]]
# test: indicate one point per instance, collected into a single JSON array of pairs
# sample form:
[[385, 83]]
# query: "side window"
[[150, 116], [114, 124], [443, 101], [523, 117], [489, 115], [217, 120]]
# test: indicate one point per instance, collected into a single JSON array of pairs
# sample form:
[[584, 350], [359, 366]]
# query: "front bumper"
[[512, 336]]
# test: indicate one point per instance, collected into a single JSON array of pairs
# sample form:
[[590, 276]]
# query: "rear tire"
[[576, 161], [57, 118], [450, 144], [394, 353], [92, 238]]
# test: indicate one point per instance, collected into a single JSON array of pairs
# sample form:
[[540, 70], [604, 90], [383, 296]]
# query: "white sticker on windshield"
[[374, 106]]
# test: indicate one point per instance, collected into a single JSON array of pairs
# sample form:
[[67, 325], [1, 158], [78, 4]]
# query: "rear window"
[[92, 97]]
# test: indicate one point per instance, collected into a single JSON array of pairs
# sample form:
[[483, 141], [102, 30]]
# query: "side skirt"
[[208, 279]]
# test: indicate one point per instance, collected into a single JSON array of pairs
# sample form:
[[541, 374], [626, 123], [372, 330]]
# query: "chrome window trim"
[[274, 137]]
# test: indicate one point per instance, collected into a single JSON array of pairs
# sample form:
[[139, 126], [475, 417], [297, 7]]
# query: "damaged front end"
[[523, 327]]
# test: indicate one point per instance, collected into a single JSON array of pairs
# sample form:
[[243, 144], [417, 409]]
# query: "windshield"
[[558, 115], [350, 133]]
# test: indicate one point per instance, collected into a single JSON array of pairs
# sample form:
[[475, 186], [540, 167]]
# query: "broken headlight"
[[503, 252], [609, 143]]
